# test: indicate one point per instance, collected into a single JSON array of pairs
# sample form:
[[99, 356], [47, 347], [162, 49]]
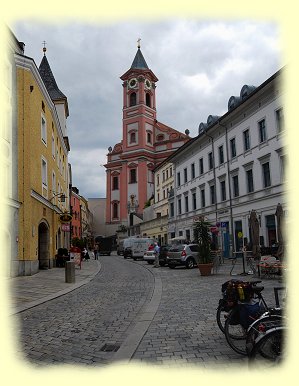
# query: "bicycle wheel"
[[221, 314], [259, 326], [235, 334], [272, 343]]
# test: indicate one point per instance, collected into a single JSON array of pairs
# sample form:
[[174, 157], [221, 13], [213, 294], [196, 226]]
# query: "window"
[[115, 183], [192, 170], [186, 204], [148, 99], [167, 174], [279, 120], [282, 168], [262, 130], [115, 210], [149, 137], [179, 206], [223, 190], [163, 176], [221, 155], [179, 178], [133, 137], [201, 170], [53, 183], [266, 174], [212, 194], [133, 176], [185, 175], [44, 130], [53, 146], [210, 156], [194, 201], [233, 151], [133, 99], [203, 198], [158, 180], [171, 209], [246, 140], [235, 186], [249, 177], [44, 173]]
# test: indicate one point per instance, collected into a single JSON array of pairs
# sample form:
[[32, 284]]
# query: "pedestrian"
[[157, 254], [85, 254], [96, 249]]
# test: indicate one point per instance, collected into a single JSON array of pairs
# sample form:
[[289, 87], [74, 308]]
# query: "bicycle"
[[269, 348], [243, 314]]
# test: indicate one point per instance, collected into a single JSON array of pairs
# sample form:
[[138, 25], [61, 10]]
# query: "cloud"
[[199, 63]]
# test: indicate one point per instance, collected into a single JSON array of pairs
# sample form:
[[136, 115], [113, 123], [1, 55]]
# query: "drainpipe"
[[229, 187], [214, 173]]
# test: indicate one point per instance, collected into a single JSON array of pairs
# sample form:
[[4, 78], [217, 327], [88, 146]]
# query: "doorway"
[[43, 245]]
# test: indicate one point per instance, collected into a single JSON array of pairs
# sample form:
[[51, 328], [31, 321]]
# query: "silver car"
[[183, 254]]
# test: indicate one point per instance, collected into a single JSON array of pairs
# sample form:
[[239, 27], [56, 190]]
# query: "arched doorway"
[[43, 245]]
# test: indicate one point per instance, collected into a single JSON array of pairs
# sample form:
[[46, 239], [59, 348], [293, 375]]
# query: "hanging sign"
[[65, 217], [65, 227]]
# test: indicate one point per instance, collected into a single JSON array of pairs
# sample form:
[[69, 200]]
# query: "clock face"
[[147, 84], [133, 83]]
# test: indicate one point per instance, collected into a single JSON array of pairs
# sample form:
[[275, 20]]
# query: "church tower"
[[145, 143]]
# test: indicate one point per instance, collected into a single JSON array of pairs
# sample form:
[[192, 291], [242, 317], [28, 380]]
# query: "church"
[[145, 143]]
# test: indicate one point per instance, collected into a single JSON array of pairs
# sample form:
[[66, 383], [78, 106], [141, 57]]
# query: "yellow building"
[[43, 177], [155, 217]]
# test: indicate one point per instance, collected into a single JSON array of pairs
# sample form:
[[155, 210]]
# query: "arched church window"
[[148, 99], [149, 137], [133, 99], [115, 183], [133, 137], [115, 210]]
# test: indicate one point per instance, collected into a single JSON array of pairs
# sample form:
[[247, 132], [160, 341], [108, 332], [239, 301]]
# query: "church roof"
[[139, 61], [49, 80]]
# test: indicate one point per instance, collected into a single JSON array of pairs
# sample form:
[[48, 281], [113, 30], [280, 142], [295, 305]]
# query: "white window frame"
[[44, 173], [43, 123]]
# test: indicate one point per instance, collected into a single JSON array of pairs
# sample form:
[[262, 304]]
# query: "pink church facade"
[[145, 143]]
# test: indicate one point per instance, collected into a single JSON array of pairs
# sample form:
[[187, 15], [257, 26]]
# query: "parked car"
[[183, 254], [149, 255]]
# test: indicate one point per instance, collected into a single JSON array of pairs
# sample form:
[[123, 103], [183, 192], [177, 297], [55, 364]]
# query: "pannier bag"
[[237, 290]]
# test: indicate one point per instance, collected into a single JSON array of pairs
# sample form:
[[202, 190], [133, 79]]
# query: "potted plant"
[[203, 238]]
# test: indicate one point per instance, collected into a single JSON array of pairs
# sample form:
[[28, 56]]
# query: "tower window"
[[149, 138], [133, 99], [115, 183], [133, 137], [148, 99]]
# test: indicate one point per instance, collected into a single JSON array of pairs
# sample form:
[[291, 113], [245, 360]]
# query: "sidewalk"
[[29, 291]]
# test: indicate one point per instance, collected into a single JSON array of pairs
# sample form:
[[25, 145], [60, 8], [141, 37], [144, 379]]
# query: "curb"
[[55, 295]]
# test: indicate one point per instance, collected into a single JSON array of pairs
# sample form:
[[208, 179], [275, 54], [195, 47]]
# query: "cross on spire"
[[44, 49], [138, 41]]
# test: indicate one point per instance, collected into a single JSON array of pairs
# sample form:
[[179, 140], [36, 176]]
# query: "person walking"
[[157, 254], [96, 250]]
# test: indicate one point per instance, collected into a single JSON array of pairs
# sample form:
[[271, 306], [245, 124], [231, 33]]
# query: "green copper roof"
[[139, 61]]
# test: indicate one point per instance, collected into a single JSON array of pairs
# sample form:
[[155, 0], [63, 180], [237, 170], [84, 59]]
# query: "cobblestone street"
[[133, 312]]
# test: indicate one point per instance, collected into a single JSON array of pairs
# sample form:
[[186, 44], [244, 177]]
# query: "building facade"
[[43, 178], [236, 164], [76, 214], [145, 143]]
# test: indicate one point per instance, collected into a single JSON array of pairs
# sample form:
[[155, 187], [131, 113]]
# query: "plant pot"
[[205, 269]]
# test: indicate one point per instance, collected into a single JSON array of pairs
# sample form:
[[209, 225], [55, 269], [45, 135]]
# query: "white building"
[[234, 165]]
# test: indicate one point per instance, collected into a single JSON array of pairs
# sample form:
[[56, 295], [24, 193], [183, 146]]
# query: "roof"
[[139, 61], [49, 80]]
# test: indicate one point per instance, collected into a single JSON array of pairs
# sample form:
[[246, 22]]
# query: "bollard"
[[70, 272]]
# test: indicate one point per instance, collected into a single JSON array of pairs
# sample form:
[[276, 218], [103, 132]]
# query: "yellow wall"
[[30, 152]]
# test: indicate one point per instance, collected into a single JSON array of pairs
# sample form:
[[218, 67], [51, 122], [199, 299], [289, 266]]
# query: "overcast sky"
[[199, 64]]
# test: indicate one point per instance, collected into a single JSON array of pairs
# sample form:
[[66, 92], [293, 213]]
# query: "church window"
[[115, 183], [148, 99], [149, 137], [133, 176], [115, 210], [133, 137], [133, 99]]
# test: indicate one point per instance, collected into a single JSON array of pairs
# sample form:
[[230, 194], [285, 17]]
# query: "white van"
[[136, 247]]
